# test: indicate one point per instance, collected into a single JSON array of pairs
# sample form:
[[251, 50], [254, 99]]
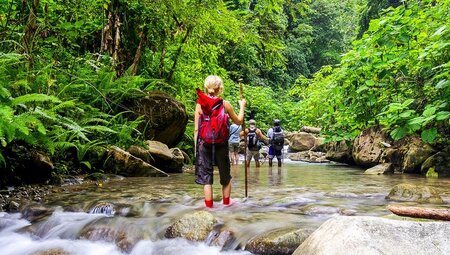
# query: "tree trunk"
[[420, 212], [138, 55], [29, 32], [111, 36]]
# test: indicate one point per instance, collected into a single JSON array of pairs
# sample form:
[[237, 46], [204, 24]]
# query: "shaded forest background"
[[67, 66]]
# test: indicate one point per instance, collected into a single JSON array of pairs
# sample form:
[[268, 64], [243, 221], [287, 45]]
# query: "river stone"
[[123, 163], [195, 226], [416, 193], [339, 152], [308, 156], [302, 141], [123, 240], [278, 242], [54, 251], [355, 235], [141, 153], [170, 160], [369, 146], [222, 237], [385, 168], [439, 163]]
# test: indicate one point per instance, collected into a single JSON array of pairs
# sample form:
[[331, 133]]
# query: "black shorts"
[[204, 163]]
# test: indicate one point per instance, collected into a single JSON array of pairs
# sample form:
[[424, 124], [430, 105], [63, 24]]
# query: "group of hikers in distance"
[[217, 143]]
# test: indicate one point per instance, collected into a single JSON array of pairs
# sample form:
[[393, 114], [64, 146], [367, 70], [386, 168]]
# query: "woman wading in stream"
[[211, 137]]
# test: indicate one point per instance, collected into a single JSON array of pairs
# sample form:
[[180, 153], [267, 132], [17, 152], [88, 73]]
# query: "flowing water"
[[131, 215]]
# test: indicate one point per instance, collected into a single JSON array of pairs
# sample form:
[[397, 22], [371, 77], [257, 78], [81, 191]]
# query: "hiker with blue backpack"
[[276, 142], [254, 139], [211, 137]]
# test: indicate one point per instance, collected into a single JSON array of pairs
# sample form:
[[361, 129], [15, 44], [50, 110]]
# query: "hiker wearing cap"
[[276, 142], [211, 137], [254, 139]]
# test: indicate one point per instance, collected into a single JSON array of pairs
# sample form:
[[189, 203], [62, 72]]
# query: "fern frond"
[[101, 129], [45, 114], [63, 145], [34, 98], [4, 93], [27, 121], [77, 130], [64, 105], [95, 120]]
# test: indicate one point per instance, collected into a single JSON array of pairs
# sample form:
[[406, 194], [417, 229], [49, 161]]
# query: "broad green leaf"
[[416, 121], [429, 135], [370, 82], [442, 115], [429, 111], [399, 133]]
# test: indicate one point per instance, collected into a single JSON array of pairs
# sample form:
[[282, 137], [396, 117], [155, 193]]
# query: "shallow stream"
[[296, 195]]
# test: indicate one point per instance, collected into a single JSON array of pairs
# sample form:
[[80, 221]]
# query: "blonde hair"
[[214, 85]]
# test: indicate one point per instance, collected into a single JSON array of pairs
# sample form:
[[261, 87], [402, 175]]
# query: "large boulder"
[[438, 164], [415, 193], [123, 163], [25, 164], [301, 141], [369, 146], [354, 235], [195, 226], [339, 152], [408, 154], [278, 242], [164, 117]]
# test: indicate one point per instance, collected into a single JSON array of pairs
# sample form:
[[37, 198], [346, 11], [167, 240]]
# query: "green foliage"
[[397, 75]]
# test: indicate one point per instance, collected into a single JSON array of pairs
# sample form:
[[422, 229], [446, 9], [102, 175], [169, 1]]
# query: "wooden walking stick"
[[241, 92]]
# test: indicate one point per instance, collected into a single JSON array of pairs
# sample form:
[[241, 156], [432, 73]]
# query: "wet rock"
[[13, 206], [339, 152], [416, 193], [407, 154], [308, 156], [109, 234], [123, 163], [344, 235], [25, 165], [195, 226], [54, 251], [35, 212], [171, 160], [386, 168], [368, 146], [221, 237], [278, 242], [141, 153], [438, 163]]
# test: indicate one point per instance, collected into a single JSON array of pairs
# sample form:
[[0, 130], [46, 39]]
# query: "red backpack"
[[213, 123]]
